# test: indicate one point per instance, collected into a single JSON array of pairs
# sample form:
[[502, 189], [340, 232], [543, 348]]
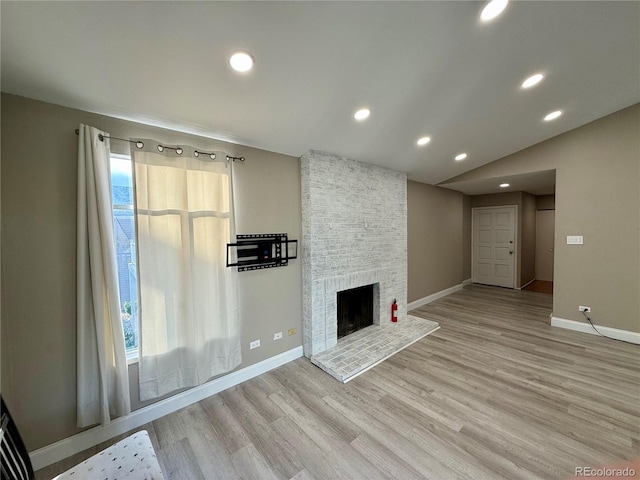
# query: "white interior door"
[[494, 246], [545, 220]]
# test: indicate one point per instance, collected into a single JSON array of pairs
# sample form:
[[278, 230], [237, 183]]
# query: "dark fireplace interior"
[[355, 309]]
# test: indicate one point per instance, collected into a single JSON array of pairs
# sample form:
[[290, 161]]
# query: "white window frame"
[[133, 354]]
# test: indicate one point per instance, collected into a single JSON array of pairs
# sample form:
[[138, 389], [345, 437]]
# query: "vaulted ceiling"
[[422, 68]]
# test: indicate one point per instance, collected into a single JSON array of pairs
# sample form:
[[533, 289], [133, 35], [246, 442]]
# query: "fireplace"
[[355, 309]]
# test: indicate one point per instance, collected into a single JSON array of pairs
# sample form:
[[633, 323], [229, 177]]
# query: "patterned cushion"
[[132, 459]]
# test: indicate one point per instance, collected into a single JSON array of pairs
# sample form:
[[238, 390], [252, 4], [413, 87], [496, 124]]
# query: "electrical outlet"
[[292, 331], [584, 309], [277, 336], [254, 344]]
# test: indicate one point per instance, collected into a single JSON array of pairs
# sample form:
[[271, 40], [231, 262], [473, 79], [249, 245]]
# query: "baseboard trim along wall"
[[77, 443], [584, 327], [435, 296], [526, 284]]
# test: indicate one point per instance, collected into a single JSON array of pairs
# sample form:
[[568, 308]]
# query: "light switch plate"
[[574, 240]]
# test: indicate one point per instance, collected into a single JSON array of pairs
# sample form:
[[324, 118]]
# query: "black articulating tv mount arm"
[[262, 250]]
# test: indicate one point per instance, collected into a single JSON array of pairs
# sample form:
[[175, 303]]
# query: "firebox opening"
[[355, 309]]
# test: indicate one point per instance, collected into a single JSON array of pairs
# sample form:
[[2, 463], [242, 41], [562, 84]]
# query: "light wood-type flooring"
[[495, 393]]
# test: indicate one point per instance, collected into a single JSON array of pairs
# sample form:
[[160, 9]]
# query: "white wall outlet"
[[584, 309], [574, 240], [254, 344], [277, 336]]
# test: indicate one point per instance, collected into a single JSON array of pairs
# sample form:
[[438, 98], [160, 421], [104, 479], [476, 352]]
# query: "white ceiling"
[[542, 182], [424, 68]]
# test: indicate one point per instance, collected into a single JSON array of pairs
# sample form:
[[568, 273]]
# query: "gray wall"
[[597, 196], [4, 366], [39, 153], [466, 237], [438, 239], [545, 222], [545, 202]]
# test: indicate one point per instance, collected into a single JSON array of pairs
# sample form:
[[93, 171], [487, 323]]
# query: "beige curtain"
[[102, 377], [188, 297]]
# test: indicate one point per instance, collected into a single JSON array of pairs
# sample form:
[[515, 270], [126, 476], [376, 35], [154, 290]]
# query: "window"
[[125, 239]]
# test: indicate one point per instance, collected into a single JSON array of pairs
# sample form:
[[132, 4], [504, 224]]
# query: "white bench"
[[130, 459]]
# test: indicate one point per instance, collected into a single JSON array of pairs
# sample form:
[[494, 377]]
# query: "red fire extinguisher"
[[394, 311]]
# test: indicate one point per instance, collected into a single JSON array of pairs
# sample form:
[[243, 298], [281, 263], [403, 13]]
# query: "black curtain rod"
[[140, 144], [102, 137]]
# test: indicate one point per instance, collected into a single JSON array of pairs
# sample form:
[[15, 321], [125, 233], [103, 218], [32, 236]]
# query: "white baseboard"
[[526, 284], [466, 282], [77, 443], [431, 298], [585, 327]]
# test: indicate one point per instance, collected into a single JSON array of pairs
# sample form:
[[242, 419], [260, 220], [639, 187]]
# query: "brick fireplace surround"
[[354, 233]]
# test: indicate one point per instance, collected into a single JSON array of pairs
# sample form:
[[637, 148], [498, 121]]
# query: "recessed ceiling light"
[[423, 141], [362, 114], [533, 80], [493, 9], [553, 115], [241, 61], [462, 156], [504, 185]]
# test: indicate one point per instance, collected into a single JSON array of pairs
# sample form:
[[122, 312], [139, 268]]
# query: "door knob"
[[510, 252], [510, 241]]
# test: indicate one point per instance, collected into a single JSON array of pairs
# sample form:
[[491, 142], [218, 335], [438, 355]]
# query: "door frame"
[[516, 250]]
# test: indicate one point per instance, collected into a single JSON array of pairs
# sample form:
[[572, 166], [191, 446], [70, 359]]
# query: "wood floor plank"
[[212, 458], [226, 426], [422, 430], [419, 403], [328, 440], [178, 461], [277, 452], [419, 459], [260, 401], [312, 399], [251, 465], [207, 445], [316, 462], [302, 475], [384, 459]]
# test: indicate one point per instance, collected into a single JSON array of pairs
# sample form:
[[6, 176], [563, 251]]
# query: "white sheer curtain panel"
[[103, 382], [188, 307]]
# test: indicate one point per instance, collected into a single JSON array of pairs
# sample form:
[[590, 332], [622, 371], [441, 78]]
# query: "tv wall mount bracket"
[[262, 250]]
